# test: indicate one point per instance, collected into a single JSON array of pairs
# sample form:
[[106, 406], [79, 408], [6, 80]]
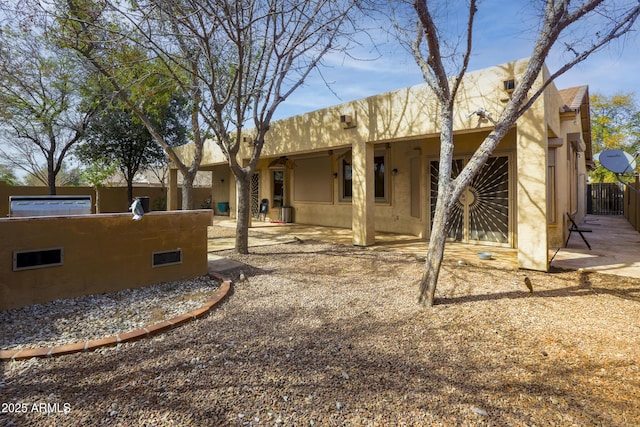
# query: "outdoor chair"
[[574, 228]]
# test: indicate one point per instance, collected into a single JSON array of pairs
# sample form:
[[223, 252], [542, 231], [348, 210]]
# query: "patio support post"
[[172, 192], [363, 194], [533, 239]]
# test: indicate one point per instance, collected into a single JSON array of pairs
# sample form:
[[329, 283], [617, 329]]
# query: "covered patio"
[[615, 244]]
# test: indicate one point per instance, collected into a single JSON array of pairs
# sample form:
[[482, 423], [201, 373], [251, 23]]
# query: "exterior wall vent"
[[159, 259], [39, 258]]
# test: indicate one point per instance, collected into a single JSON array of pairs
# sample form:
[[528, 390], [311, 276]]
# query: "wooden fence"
[[632, 204], [606, 198]]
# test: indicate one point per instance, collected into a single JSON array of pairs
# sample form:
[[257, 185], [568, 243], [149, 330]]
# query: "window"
[[347, 180], [379, 176], [278, 188], [551, 186], [509, 85]]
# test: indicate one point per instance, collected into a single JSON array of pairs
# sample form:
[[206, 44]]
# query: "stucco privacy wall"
[[112, 199], [101, 253]]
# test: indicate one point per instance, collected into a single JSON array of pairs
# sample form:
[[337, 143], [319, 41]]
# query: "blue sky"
[[615, 69]]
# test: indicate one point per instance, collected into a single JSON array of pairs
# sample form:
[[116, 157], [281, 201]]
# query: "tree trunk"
[[130, 192], [51, 180], [438, 236], [435, 255], [187, 191], [243, 187], [97, 191]]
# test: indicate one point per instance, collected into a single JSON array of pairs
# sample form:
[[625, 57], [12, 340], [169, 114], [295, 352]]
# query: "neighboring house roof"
[[577, 99], [573, 97]]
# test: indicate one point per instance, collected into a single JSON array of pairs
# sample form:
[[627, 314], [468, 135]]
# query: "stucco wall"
[[393, 215], [402, 114], [112, 199], [102, 253], [407, 121]]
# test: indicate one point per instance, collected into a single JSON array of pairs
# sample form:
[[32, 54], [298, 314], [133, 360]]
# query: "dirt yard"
[[322, 334]]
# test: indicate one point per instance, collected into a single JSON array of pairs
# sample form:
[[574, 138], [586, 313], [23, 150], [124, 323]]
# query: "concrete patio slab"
[[615, 247], [220, 264], [615, 243], [264, 233]]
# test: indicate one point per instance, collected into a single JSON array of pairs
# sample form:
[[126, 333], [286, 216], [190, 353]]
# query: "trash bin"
[[144, 201], [223, 207], [286, 213]]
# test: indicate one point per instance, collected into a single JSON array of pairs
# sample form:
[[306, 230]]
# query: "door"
[[481, 214]]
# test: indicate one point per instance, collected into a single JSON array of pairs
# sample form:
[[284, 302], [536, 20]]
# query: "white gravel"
[[71, 320]]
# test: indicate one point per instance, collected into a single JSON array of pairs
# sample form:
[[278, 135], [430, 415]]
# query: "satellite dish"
[[617, 161]]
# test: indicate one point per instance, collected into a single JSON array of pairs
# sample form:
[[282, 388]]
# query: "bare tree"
[[249, 56], [109, 37], [599, 22], [238, 60]]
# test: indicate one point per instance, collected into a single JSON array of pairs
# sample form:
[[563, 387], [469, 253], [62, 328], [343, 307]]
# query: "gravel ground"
[[97, 316], [323, 334]]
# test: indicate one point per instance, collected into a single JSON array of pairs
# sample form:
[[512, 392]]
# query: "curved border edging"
[[136, 334]]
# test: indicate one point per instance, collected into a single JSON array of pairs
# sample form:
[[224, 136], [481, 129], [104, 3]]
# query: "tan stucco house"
[[371, 165]]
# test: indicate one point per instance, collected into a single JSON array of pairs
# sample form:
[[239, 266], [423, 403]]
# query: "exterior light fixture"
[[482, 114]]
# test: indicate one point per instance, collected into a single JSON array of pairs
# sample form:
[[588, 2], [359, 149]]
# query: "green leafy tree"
[[43, 113], [8, 175], [118, 137], [615, 124], [96, 174]]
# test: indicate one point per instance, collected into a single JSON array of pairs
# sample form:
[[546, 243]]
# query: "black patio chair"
[[574, 228]]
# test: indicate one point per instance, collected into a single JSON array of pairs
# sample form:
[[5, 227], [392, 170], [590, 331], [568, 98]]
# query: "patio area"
[[615, 245]]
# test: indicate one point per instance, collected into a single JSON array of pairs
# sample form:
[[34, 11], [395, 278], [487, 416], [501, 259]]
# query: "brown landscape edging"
[[90, 345]]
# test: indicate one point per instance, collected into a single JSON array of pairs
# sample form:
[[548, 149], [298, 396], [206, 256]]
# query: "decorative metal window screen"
[[482, 211], [255, 194], [489, 209], [456, 220]]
